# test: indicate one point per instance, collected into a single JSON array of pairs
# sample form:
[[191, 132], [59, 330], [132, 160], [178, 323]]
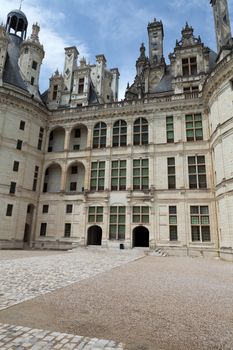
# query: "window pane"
[[136, 210], [145, 210], [172, 220], [194, 210], [205, 220], [195, 220], [204, 210], [205, 231], [195, 233]]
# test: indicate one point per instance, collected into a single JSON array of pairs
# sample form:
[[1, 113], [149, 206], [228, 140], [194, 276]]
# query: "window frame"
[[140, 180], [192, 126], [99, 135], [117, 221], [120, 180], [119, 133], [95, 214], [141, 132], [197, 178], [196, 222], [97, 168]]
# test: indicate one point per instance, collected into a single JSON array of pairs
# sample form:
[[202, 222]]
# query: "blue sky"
[[115, 28]]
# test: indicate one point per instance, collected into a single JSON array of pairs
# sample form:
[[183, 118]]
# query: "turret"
[[31, 57], [17, 23], [156, 35], [222, 23]]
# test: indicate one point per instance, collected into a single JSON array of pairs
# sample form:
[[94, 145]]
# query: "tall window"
[[140, 132], [40, 139], [200, 223], [140, 174], [34, 65], [97, 176], [118, 175], [95, 214], [9, 209], [12, 187], [22, 125], [117, 223], [140, 215], [172, 223], [171, 171], [45, 209], [19, 144], [80, 85], [194, 130], [170, 129], [99, 136], [69, 208], [36, 172], [119, 133], [55, 91], [16, 166], [189, 66], [67, 230], [43, 229], [197, 172]]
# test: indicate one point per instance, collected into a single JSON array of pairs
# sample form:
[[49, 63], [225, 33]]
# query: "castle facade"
[[155, 170]]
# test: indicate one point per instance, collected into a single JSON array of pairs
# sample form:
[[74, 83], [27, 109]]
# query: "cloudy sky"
[[115, 28]]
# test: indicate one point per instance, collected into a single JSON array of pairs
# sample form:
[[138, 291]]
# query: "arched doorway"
[[28, 225], [94, 235], [140, 237]]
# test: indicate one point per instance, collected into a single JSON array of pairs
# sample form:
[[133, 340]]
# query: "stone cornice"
[[223, 71], [22, 100]]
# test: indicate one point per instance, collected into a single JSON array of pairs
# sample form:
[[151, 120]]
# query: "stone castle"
[[79, 168]]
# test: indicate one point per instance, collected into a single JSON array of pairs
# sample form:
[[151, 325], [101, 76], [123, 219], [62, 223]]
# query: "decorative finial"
[[20, 6]]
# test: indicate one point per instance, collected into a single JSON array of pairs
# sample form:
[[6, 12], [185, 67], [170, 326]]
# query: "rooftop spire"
[[20, 6]]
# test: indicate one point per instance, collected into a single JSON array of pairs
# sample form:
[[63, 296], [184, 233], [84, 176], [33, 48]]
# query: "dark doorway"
[[28, 225], [26, 237], [140, 237], [94, 235]]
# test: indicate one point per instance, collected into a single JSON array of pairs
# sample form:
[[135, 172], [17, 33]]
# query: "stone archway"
[[141, 237], [94, 235]]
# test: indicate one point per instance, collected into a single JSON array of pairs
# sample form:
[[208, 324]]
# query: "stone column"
[[63, 178], [67, 140], [109, 135]]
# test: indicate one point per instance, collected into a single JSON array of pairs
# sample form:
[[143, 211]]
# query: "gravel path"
[[149, 304]]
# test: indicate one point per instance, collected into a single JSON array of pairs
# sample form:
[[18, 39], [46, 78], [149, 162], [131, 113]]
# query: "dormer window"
[[191, 89], [55, 89], [81, 85], [189, 66]]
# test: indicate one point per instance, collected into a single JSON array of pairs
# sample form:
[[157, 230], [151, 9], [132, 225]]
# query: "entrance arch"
[[94, 235], [140, 237]]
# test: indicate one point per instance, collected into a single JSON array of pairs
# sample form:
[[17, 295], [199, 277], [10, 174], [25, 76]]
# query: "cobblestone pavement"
[[22, 279], [21, 338]]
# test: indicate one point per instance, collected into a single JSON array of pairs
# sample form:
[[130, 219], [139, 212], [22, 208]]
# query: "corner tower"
[[222, 23]]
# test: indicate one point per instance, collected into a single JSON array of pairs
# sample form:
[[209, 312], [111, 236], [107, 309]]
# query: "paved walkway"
[[21, 338], [22, 279]]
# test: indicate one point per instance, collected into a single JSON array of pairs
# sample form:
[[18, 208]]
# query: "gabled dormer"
[[191, 61]]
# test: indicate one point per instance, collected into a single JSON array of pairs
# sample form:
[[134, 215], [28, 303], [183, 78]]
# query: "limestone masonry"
[[80, 168]]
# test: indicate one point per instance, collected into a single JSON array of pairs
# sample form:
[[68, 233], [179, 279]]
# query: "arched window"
[[119, 133], [140, 132], [99, 135]]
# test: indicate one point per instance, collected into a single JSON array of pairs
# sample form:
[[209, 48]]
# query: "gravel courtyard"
[[151, 303]]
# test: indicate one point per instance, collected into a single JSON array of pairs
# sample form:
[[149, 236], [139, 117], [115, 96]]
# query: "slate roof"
[[11, 73]]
